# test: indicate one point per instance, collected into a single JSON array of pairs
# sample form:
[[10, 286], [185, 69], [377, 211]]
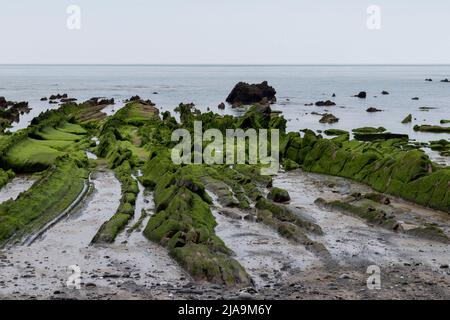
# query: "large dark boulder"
[[244, 93]]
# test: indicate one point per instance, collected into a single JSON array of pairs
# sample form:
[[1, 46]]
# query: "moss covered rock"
[[279, 195]]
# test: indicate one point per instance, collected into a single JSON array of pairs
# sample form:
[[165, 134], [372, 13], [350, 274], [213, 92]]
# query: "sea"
[[208, 85]]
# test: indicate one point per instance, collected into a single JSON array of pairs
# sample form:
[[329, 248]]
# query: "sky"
[[225, 32]]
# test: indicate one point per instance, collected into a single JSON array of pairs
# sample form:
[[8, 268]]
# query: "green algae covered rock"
[[430, 128], [126, 210], [290, 165], [184, 223], [408, 119], [110, 229], [58, 188], [5, 177], [387, 166], [204, 264], [369, 130], [279, 195], [290, 225], [287, 214], [380, 136], [335, 132]]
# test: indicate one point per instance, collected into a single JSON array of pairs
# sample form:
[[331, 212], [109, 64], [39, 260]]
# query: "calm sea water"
[[207, 86]]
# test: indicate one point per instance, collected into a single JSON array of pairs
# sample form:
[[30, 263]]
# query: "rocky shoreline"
[[225, 231]]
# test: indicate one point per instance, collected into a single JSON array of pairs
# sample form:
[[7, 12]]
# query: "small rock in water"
[[327, 103], [372, 109], [361, 95], [329, 118]]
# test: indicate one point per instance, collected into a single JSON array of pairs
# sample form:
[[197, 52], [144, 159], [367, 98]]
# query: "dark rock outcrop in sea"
[[244, 93], [361, 95], [96, 101], [372, 109], [66, 100], [327, 103], [58, 96], [11, 111], [221, 106]]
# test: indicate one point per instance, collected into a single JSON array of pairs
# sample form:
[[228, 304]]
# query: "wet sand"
[[135, 268]]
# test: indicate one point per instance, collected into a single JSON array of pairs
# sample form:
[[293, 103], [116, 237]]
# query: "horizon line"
[[228, 64]]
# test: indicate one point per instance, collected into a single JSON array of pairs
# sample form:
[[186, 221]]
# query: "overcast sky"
[[225, 32]]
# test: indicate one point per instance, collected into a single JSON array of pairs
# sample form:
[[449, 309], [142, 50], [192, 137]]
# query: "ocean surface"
[[208, 86]]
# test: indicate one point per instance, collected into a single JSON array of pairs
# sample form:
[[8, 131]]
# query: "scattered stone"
[[327, 103], [408, 119], [329, 118], [445, 80], [221, 106], [67, 100], [429, 80], [372, 109], [58, 96], [279, 195], [385, 93], [415, 98]]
